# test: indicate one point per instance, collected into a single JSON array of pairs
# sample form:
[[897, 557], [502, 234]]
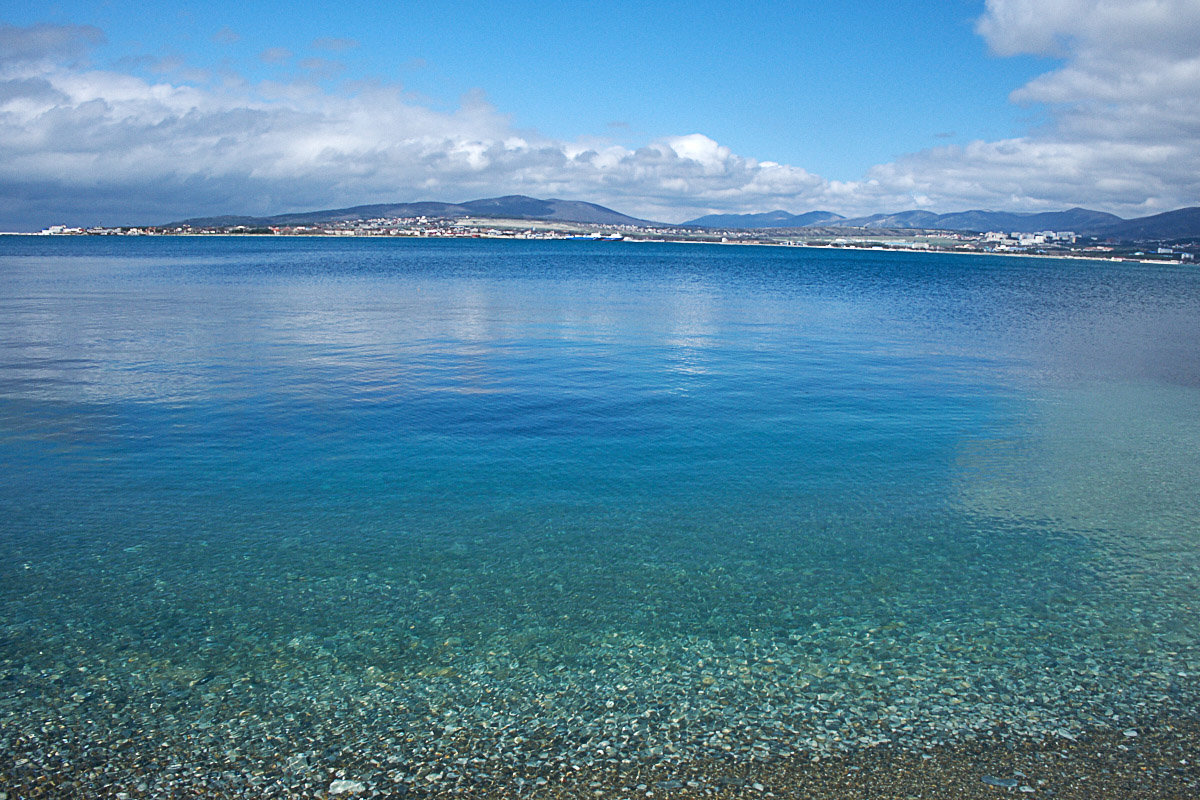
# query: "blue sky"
[[666, 110], [832, 87]]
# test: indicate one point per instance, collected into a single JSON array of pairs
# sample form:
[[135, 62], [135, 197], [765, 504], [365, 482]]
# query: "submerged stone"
[[347, 787]]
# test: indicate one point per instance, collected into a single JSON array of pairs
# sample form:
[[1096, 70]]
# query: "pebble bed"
[[141, 676]]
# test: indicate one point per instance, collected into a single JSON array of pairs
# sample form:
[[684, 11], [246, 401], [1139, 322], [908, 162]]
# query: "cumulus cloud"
[[1123, 136], [1136, 52], [157, 150], [1124, 108], [1067, 27]]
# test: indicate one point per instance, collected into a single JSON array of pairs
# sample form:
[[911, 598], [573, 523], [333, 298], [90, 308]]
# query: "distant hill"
[[1183, 223], [509, 207], [1080, 220], [521, 207], [902, 219], [769, 219]]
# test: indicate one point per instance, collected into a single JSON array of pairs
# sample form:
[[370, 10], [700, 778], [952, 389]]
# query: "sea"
[[308, 516]]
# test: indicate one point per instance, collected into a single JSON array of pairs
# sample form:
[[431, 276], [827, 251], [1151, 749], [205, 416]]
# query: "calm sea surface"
[[491, 510]]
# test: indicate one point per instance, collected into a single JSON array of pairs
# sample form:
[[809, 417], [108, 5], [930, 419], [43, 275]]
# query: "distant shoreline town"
[[1047, 243], [1173, 236]]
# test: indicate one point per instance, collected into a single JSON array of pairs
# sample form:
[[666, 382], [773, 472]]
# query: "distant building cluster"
[[64, 230], [1023, 241], [419, 227]]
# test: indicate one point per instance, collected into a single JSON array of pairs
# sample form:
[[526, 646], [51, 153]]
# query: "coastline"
[[850, 247]]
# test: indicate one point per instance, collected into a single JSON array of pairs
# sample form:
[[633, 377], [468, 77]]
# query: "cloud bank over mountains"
[[83, 144]]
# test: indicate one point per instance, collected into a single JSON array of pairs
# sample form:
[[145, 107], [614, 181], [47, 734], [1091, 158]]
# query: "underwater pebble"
[[530, 709], [346, 787]]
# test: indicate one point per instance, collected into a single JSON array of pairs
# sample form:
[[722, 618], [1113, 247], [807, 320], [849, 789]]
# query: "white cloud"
[[1124, 136], [1067, 27], [1136, 52], [174, 149], [1124, 106]]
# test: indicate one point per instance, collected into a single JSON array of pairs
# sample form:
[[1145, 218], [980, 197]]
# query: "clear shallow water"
[[301, 505]]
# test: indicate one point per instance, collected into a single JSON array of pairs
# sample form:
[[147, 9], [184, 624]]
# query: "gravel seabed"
[[1081, 701]]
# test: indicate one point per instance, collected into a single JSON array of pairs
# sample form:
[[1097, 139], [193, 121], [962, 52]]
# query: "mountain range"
[[769, 219], [1179, 224], [1182, 223]]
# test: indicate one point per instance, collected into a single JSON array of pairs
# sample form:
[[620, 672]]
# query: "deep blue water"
[[737, 480]]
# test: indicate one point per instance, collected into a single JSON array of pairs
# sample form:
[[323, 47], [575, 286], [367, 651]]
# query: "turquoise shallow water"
[[273, 508]]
